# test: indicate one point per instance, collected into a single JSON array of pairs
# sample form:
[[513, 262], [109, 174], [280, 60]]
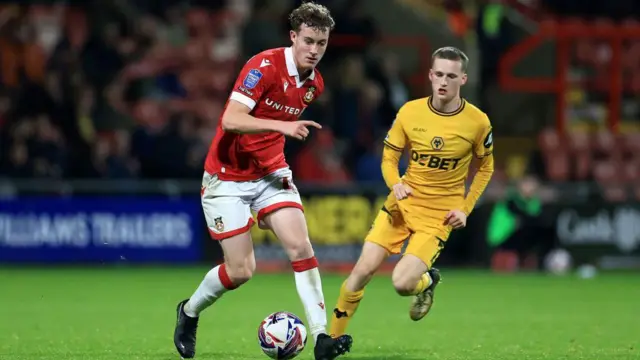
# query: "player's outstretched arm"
[[237, 119], [480, 181]]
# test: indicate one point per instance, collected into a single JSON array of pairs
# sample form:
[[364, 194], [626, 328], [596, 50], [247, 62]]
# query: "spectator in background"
[[353, 20], [387, 74], [516, 231], [346, 97], [264, 31], [369, 169], [495, 35]]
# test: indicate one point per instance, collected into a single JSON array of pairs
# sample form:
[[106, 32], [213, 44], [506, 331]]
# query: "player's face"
[[446, 78], [309, 45]]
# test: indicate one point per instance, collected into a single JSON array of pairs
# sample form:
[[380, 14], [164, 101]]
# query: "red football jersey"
[[270, 86]]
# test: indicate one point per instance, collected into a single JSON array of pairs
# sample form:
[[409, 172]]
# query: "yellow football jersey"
[[440, 145]]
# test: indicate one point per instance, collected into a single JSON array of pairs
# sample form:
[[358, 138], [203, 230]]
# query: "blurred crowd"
[[128, 89], [134, 89]]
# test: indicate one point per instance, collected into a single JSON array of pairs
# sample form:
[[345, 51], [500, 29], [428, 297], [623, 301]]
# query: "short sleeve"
[[252, 82], [396, 138], [484, 144]]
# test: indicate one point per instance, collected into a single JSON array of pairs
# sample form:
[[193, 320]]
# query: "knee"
[[300, 250], [241, 272], [403, 284]]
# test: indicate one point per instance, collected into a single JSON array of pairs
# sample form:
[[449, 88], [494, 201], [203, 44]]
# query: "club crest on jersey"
[[437, 143], [218, 224], [251, 80], [308, 97]]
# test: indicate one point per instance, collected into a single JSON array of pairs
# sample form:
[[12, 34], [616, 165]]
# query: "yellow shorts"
[[409, 219]]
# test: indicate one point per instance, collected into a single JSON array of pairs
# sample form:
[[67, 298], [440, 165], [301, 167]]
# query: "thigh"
[[276, 191], [239, 255], [226, 207], [389, 229], [426, 245], [290, 227]]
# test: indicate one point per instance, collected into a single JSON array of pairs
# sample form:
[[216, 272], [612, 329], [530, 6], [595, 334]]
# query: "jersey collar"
[[452, 113], [293, 70]]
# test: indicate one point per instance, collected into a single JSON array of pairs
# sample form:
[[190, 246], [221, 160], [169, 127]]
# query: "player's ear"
[[463, 79], [293, 35], [431, 74]]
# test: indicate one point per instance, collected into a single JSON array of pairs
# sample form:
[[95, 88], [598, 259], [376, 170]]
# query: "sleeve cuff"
[[243, 99]]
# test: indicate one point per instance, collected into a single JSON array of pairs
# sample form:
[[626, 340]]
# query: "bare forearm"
[[246, 124]]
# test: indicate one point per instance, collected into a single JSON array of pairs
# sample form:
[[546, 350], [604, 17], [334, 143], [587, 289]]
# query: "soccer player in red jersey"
[[246, 170]]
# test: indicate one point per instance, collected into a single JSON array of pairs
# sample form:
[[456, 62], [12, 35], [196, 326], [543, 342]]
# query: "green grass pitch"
[[128, 313]]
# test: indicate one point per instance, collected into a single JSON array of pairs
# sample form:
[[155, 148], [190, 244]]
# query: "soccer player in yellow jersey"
[[443, 133]]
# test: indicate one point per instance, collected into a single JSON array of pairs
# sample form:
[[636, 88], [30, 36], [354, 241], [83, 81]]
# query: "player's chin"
[[310, 62]]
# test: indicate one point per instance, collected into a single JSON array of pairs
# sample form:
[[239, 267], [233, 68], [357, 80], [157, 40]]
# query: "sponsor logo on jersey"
[[434, 162], [284, 108], [310, 95], [245, 90], [488, 141], [252, 79]]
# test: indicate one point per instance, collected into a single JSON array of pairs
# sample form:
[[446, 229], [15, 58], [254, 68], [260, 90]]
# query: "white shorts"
[[227, 205]]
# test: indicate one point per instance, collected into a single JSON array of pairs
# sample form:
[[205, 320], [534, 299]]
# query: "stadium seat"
[[631, 172], [608, 175], [579, 143], [631, 57], [606, 172], [557, 166], [549, 140], [630, 144], [582, 166], [584, 50], [605, 145]]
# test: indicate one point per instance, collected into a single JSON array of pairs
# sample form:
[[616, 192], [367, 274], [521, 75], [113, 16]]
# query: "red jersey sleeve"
[[254, 80]]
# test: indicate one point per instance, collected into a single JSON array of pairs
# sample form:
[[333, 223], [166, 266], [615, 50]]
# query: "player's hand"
[[456, 219], [298, 129], [401, 191]]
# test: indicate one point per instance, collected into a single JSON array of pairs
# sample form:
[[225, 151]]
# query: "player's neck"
[[304, 73], [446, 106]]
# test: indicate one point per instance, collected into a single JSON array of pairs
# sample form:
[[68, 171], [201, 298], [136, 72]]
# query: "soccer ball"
[[558, 262], [282, 335]]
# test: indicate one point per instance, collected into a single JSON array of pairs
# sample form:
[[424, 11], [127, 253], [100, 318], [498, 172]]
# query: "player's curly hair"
[[451, 53], [313, 15]]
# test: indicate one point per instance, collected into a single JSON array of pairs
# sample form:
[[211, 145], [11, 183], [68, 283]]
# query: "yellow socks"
[[347, 305], [422, 285]]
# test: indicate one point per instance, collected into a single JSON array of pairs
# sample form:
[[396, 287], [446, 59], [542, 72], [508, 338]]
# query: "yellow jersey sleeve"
[[483, 149], [396, 138], [484, 141]]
